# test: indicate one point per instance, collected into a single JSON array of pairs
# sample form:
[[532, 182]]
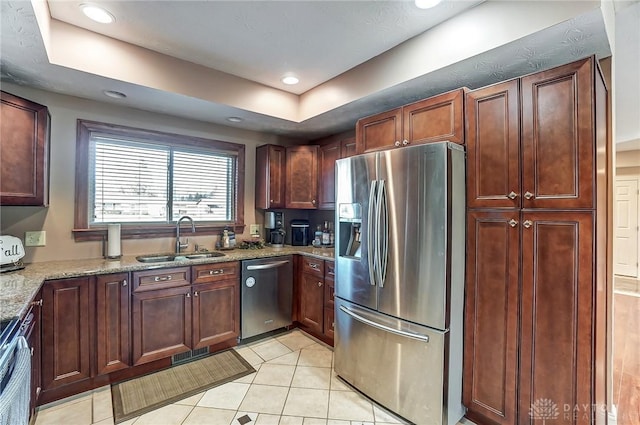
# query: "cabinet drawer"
[[329, 270], [150, 280], [215, 272], [313, 266]]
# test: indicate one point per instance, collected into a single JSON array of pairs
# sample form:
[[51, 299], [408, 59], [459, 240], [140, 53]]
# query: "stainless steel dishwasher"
[[267, 295]]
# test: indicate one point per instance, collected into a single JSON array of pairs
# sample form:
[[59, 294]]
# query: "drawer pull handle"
[[219, 271], [37, 303], [162, 278], [313, 266]]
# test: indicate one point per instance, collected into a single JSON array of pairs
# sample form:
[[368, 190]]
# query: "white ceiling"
[[331, 45]]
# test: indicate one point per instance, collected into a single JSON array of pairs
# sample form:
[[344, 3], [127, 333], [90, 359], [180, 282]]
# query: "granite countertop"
[[18, 288]]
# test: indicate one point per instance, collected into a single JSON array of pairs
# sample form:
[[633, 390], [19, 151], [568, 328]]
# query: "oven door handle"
[[266, 266]]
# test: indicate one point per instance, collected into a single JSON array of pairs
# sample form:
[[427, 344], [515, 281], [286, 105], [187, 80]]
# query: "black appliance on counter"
[[274, 224], [300, 232]]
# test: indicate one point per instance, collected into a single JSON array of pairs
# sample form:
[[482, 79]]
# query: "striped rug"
[[141, 395]]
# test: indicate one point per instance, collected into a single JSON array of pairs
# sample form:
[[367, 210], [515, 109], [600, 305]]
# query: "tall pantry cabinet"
[[535, 316]]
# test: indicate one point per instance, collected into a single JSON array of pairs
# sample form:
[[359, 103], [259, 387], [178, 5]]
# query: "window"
[[147, 180]]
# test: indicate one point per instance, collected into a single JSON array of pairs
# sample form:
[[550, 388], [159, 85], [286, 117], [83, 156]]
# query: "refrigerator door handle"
[[354, 315], [371, 240], [382, 233]]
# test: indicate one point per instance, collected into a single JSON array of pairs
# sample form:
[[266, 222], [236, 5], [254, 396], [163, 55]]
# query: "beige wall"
[[57, 219], [627, 159]]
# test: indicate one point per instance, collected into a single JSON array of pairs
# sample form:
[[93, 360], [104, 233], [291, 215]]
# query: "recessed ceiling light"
[[97, 14], [290, 79], [235, 119], [426, 4], [114, 94]]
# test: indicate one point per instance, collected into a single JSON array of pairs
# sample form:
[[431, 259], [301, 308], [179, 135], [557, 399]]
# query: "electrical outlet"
[[35, 238], [254, 229]]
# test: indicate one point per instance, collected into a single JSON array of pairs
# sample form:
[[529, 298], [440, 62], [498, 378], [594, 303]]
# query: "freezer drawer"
[[404, 367], [266, 295]]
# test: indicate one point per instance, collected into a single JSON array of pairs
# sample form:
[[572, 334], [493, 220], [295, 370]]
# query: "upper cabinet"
[[434, 119], [270, 166], [301, 177], [329, 154], [547, 159], [24, 147]]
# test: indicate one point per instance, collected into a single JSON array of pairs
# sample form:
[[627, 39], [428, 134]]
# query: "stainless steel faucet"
[[180, 245]]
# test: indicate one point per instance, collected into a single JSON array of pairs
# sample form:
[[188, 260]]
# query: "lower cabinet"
[[187, 316], [315, 297], [160, 323], [113, 309], [530, 303], [94, 326], [67, 315]]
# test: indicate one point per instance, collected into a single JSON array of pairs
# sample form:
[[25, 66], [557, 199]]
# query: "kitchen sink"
[[160, 258]]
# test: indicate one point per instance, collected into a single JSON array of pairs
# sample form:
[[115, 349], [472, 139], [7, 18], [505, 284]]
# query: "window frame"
[[82, 231]]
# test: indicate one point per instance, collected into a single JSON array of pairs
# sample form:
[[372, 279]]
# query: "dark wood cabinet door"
[[328, 154], [558, 147], [216, 312], [113, 348], [24, 148], [493, 146], [34, 340], [379, 132], [311, 301], [66, 331], [161, 323], [434, 119], [491, 317], [270, 170], [556, 361], [302, 177], [348, 147], [329, 323]]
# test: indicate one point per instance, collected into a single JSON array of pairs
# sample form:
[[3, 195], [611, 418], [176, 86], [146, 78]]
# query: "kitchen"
[[57, 220]]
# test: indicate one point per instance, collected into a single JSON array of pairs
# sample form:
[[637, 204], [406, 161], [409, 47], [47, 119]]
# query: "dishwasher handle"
[[266, 266]]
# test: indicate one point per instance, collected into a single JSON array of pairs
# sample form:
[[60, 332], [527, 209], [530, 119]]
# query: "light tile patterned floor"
[[294, 385]]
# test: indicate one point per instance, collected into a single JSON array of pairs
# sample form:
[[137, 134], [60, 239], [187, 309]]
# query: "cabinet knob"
[[319, 284], [528, 195], [124, 282], [188, 295], [405, 142], [527, 223], [513, 223], [313, 201], [195, 293], [512, 195], [397, 143], [271, 200]]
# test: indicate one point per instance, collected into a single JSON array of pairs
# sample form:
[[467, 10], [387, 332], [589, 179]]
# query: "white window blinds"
[[140, 182]]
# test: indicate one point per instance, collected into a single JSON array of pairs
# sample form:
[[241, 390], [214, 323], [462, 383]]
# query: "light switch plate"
[[38, 238], [254, 229]]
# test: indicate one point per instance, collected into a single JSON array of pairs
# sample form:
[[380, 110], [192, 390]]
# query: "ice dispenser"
[[350, 221]]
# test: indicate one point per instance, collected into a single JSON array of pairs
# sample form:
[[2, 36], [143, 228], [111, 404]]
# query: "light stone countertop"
[[18, 288]]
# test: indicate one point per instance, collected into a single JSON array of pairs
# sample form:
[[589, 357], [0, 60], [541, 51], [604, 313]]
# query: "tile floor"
[[294, 385]]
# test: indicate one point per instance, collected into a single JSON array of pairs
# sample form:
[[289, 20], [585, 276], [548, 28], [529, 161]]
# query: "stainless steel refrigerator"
[[400, 225]]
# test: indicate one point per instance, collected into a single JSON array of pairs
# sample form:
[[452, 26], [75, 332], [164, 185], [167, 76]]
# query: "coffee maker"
[[274, 225]]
